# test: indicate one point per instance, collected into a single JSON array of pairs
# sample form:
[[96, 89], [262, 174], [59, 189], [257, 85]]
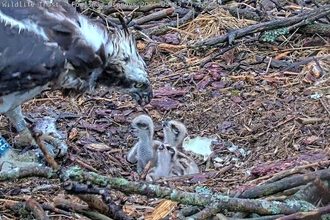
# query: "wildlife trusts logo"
[[25, 4]]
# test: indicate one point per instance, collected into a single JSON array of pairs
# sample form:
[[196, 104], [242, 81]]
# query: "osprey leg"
[[24, 137], [51, 136]]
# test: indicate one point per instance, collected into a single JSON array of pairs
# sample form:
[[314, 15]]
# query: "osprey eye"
[[139, 85]]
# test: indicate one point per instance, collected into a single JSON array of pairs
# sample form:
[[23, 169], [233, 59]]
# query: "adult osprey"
[[47, 45]]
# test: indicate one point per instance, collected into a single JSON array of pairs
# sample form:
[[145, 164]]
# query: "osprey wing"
[[36, 38], [26, 59], [94, 56]]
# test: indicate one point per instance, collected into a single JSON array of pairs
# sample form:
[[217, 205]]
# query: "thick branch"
[[321, 29], [154, 16], [164, 28], [122, 7], [287, 183], [30, 171], [297, 21], [315, 214], [243, 13], [36, 209], [107, 207], [315, 193], [216, 202]]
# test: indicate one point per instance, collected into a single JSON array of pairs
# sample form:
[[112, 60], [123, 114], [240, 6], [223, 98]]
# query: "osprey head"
[[124, 68]]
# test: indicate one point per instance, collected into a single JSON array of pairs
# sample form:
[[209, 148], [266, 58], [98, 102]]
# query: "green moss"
[[99, 180], [174, 194], [325, 217], [13, 174], [145, 186], [122, 182], [51, 174], [270, 36], [273, 207], [75, 173], [302, 205], [192, 200], [203, 190], [222, 198], [106, 1]]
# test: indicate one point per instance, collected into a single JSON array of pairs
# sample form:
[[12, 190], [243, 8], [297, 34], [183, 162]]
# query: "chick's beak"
[[165, 124], [131, 129]]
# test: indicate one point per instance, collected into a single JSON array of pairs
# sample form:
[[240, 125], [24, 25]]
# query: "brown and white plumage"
[[171, 162], [174, 133], [183, 164], [47, 46], [163, 165], [69, 52], [143, 151]]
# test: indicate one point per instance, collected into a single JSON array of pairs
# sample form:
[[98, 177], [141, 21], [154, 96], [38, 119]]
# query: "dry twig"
[[50, 160], [36, 209]]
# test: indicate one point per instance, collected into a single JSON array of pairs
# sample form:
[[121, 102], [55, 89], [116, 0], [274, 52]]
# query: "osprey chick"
[[144, 150], [47, 46], [164, 164], [174, 133], [183, 164], [171, 162]]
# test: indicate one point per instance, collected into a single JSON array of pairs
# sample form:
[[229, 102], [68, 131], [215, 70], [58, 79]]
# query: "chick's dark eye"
[[175, 130], [171, 150], [143, 126]]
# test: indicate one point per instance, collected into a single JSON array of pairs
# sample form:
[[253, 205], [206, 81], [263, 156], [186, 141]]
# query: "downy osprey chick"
[[164, 164], [143, 151], [53, 47], [183, 164], [171, 162], [174, 133]]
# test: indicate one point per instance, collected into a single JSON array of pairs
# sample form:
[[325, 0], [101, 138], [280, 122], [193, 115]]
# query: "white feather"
[[91, 33], [25, 24], [120, 46]]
